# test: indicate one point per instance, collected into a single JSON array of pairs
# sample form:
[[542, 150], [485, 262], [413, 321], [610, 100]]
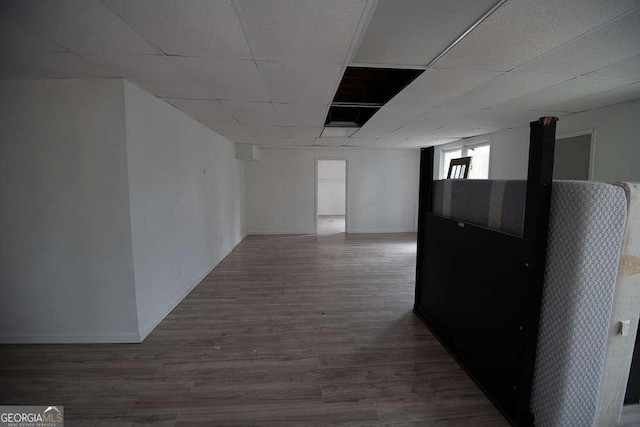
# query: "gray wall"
[[66, 271]]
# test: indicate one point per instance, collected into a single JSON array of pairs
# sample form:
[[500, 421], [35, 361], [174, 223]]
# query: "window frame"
[[465, 152]]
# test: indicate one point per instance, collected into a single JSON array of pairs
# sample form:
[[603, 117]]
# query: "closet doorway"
[[331, 196]]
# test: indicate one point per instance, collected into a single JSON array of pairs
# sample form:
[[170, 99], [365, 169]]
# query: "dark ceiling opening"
[[362, 91]]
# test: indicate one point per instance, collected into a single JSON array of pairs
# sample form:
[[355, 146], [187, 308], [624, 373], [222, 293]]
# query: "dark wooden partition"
[[479, 290]]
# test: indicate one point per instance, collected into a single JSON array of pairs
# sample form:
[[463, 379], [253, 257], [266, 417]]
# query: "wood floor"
[[287, 330], [331, 224]]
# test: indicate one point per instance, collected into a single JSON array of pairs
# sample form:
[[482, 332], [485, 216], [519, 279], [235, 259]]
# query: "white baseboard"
[[271, 233], [70, 338], [382, 230]]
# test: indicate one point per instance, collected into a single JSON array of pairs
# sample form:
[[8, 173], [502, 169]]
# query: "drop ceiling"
[[265, 72]]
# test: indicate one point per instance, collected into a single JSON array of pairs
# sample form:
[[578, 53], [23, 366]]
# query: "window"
[[479, 154]]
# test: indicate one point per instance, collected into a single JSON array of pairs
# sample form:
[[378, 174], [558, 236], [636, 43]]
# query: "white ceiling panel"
[[572, 89], [504, 88], [433, 87], [602, 99], [388, 119], [252, 112], [79, 25], [203, 110], [521, 30], [15, 71], [262, 129], [15, 42], [64, 65], [492, 120], [607, 45], [416, 31], [431, 121], [186, 27], [419, 142], [302, 114], [627, 69], [301, 131], [154, 73], [302, 30], [229, 129], [228, 79], [300, 83]]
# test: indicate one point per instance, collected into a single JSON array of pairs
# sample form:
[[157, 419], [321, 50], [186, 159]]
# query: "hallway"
[[296, 329]]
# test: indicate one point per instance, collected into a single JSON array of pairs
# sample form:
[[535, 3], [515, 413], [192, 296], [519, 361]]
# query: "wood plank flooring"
[[287, 330]]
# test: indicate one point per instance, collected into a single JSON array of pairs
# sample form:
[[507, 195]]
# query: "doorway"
[[573, 156], [331, 196]]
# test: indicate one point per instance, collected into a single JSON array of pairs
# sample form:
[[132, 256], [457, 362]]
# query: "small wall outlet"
[[625, 325]]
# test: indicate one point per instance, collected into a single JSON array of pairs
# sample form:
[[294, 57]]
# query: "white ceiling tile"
[[58, 65], [262, 129], [431, 121], [16, 43], [302, 30], [602, 99], [607, 45], [203, 110], [79, 25], [186, 27], [154, 73], [419, 142], [521, 30], [399, 29], [229, 129], [301, 83], [338, 132], [228, 79], [390, 118], [504, 88], [252, 112], [301, 114], [627, 69], [298, 142], [15, 71], [571, 89], [435, 86], [301, 131], [494, 120]]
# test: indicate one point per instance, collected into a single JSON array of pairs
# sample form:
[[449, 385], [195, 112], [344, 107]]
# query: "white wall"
[[187, 196], [332, 185], [382, 193], [616, 153], [114, 205], [66, 271]]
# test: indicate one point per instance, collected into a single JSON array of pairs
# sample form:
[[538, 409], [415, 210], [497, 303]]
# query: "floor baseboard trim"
[[70, 339], [146, 330]]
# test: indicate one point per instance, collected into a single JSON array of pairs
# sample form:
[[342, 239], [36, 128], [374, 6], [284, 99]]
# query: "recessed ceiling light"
[[338, 132]]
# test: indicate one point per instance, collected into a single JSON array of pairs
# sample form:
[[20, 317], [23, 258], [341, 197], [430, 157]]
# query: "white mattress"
[[586, 227]]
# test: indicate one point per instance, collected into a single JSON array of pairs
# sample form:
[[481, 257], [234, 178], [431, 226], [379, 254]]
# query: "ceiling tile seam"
[[37, 36], [157, 49], [588, 96], [610, 65], [594, 29], [245, 31], [359, 34], [468, 31]]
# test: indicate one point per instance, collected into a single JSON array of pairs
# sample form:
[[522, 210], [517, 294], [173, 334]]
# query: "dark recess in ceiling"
[[362, 91]]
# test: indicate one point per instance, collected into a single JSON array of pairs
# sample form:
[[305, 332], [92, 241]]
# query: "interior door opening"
[[331, 196]]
